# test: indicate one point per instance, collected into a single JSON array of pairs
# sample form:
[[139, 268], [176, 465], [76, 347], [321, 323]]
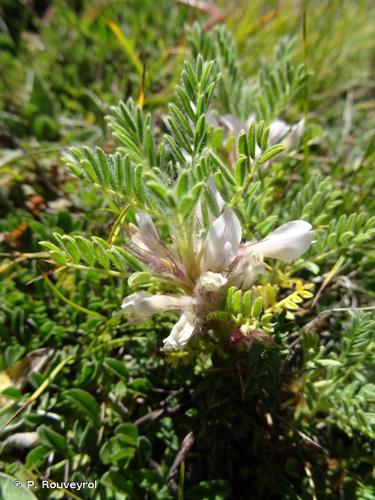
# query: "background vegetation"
[[86, 396]]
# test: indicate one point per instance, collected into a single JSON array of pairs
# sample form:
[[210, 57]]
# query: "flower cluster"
[[204, 266]]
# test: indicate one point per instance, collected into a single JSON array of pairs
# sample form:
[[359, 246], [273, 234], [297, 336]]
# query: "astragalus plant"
[[220, 238], [183, 224]]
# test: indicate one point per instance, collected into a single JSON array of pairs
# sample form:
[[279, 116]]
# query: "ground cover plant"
[[186, 233]]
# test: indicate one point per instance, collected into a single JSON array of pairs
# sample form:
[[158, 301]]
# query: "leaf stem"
[[69, 302]]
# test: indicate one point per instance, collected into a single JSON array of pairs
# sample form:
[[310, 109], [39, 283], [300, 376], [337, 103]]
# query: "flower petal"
[[216, 193], [287, 242], [211, 217], [246, 271], [180, 333], [143, 305], [288, 135], [223, 241], [250, 119], [293, 139], [211, 282], [278, 131], [233, 124], [148, 231]]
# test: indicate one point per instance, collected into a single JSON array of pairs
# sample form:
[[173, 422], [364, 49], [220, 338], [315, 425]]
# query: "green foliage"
[[347, 233], [267, 94], [187, 118], [278, 83], [219, 45], [279, 380], [133, 131], [339, 383], [94, 254], [114, 174], [316, 201]]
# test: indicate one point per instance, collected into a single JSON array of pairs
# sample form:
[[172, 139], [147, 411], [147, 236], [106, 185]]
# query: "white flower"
[[278, 131], [288, 135], [147, 245], [148, 235], [180, 333], [141, 306], [287, 242], [222, 242], [206, 268]]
